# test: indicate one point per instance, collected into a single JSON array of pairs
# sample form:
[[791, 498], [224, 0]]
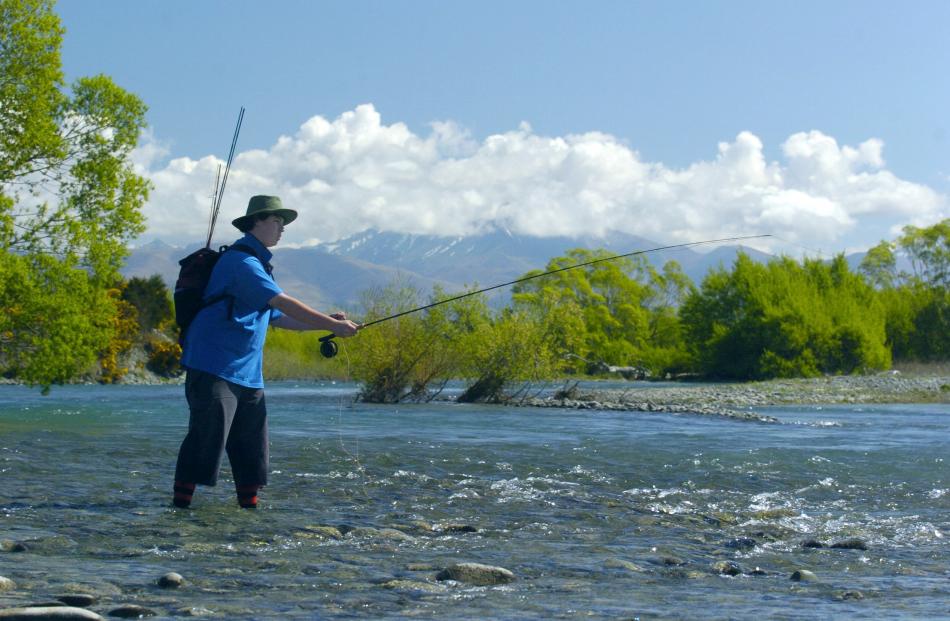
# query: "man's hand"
[[345, 327]]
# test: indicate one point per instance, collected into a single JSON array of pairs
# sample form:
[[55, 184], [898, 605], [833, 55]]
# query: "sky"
[[826, 124]]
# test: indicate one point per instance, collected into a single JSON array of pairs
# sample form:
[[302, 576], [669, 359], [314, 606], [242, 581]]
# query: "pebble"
[[171, 580], [131, 611], [57, 613], [476, 573], [803, 575]]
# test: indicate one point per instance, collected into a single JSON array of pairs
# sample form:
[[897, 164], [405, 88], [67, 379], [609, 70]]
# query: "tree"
[[929, 252], [785, 319], [879, 266], [70, 200], [917, 304], [151, 299]]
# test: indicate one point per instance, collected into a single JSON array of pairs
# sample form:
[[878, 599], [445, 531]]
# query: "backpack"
[[193, 279]]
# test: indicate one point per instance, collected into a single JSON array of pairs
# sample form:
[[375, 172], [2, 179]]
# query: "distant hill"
[[335, 274]]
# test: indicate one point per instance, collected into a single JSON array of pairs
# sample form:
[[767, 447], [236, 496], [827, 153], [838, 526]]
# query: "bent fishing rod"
[[328, 347]]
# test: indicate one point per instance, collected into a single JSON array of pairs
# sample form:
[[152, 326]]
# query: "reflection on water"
[[598, 514]]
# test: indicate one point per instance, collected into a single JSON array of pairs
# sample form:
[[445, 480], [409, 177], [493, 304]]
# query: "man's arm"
[[299, 316]]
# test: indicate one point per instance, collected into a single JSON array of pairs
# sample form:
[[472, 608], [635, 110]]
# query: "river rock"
[[14, 546], [388, 534], [319, 531], [458, 528], [850, 544], [171, 580], [413, 585], [849, 595], [803, 575], [80, 600], [741, 543], [619, 563], [131, 611], [6, 584], [812, 543], [476, 573], [51, 613], [727, 568]]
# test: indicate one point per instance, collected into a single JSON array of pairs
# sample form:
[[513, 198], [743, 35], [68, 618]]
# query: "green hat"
[[265, 204]]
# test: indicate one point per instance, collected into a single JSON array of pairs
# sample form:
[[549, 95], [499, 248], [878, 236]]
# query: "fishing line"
[[339, 422], [328, 347]]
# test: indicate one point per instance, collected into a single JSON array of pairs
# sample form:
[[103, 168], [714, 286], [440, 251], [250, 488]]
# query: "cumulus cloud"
[[354, 172]]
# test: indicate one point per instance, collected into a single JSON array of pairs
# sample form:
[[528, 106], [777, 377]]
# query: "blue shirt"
[[226, 338]]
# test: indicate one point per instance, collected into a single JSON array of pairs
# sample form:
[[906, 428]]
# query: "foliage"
[[917, 305], [125, 330], [879, 265], [929, 252], [70, 201], [289, 354], [625, 312], [47, 332], [785, 319], [153, 301], [164, 355], [386, 356], [513, 347]]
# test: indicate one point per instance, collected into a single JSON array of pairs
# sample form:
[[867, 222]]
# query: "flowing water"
[[615, 515]]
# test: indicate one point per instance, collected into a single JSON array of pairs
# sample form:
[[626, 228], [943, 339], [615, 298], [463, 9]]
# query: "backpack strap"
[[224, 296]]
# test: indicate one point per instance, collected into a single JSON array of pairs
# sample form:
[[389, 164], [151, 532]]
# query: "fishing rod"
[[328, 347], [219, 189]]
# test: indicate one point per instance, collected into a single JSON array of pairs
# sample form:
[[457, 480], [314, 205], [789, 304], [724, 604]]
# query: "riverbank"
[[740, 400]]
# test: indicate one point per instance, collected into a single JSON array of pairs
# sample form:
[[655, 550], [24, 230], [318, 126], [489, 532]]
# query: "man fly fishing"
[[222, 352]]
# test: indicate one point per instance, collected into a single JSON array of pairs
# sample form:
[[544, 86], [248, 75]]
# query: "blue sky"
[[674, 101]]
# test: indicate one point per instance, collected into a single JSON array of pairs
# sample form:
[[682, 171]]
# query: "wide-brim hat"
[[265, 204]]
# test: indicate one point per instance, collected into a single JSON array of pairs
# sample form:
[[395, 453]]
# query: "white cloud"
[[354, 172]]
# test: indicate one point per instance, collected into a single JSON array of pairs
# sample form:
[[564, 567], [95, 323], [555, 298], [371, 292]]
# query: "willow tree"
[[70, 200]]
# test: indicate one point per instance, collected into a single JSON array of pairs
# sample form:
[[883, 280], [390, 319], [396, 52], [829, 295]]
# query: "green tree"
[[785, 319], [151, 299], [879, 266], [70, 200], [47, 333], [929, 252], [917, 304]]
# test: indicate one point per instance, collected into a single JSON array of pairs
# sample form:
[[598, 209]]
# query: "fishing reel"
[[328, 347]]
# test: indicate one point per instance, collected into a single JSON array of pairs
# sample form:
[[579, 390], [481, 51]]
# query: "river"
[[613, 515]]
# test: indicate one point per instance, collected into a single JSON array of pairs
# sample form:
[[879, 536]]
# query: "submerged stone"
[[171, 580], [812, 543], [413, 585], [476, 573], [850, 544], [6, 584], [741, 543], [849, 595], [50, 613], [619, 563], [803, 575], [131, 611], [81, 600], [727, 568]]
